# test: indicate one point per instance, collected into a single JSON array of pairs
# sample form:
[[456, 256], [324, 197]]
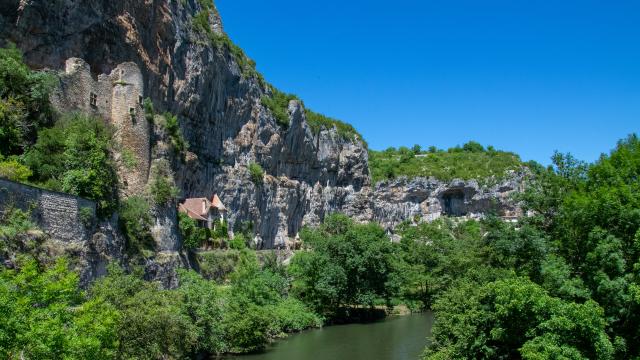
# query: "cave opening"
[[453, 203]]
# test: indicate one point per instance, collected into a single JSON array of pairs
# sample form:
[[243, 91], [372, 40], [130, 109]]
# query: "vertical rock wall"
[[218, 104]]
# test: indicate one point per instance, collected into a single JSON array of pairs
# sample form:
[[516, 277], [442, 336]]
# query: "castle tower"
[[132, 130], [118, 99]]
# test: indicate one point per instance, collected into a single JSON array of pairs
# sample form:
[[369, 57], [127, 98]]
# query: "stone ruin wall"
[[119, 100], [57, 214]]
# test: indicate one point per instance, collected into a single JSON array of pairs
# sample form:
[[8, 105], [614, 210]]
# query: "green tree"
[[515, 318], [15, 171], [202, 302], [348, 264], [135, 221], [24, 101], [152, 323], [193, 236], [74, 157], [44, 317]]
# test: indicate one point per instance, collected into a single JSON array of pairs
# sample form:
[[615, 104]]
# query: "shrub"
[[292, 315], [14, 171], [318, 122], [14, 222], [86, 216], [256, 173], [152, 322], [238, 242], [162, 190], [44, 317], [192, 236], [278, 104], [468, 162], [74, 157], [149, 112], [135, 221], [173, 129], [129, 159], [217, 265], [24, 101]]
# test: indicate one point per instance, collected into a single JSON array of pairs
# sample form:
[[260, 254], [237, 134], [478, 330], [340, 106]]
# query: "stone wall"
[[55, 213]]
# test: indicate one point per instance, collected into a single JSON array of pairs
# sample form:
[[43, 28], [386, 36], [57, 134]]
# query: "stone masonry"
[[57, 214], [117, 98]]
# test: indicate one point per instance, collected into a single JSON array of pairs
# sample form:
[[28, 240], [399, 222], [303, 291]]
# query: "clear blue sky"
[[527, 76]]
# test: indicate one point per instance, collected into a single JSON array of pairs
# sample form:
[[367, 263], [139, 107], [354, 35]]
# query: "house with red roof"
[[206, 212]]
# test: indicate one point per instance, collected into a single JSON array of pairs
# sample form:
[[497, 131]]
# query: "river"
[[395, 338]]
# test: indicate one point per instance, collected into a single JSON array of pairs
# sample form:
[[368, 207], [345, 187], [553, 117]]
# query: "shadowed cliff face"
[[219, 108]]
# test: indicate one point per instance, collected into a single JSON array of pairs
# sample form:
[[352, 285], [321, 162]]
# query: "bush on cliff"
[[256, 173], [135, 222], [193, 236], [278, 105]]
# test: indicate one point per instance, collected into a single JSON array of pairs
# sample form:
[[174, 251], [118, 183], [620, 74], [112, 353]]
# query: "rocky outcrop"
[[194, 74], [420, 199]]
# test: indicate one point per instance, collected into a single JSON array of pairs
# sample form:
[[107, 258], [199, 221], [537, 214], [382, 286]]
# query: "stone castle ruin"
[[119, 99]]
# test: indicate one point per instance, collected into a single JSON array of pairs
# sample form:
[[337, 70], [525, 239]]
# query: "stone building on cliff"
[[117, 98], [207, 213]]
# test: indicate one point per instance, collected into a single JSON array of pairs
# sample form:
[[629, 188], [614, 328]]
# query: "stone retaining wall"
[[57, 214]]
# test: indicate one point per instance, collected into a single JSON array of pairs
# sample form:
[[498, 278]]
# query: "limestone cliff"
[[164, 53]]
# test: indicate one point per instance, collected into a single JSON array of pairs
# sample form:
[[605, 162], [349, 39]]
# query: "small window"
[[93, 100], [132, 113], [140, 99]]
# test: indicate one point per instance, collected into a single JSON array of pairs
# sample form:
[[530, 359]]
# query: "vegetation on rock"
[[471, 161], [256, 172]]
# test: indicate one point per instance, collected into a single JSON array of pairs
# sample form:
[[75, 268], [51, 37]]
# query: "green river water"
[[397, 338]]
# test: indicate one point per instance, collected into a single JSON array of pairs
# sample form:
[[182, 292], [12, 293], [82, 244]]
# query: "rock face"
[[156, 46]]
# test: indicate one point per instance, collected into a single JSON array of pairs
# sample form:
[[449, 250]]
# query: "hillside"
[[470, 161]]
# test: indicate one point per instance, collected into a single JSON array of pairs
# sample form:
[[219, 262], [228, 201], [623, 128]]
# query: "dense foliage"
[[563, 283], [471, 161], [349, 264], [74, 157], [24, 102], [122, 316], [278, 104]]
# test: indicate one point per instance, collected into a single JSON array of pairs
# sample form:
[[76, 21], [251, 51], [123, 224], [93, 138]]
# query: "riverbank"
[[395, 337]]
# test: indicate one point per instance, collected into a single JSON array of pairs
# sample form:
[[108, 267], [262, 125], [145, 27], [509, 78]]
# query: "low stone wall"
[[57, 214]]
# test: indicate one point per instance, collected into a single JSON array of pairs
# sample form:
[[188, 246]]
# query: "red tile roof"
[[198, 208], [217, 203]]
